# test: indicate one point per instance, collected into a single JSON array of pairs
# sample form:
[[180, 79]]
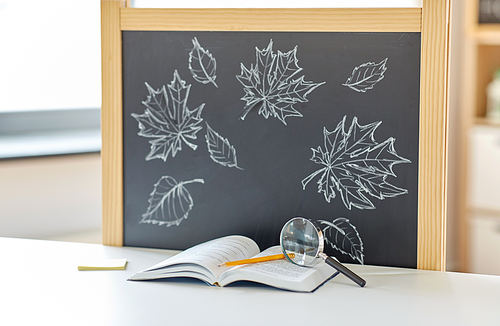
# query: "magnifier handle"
[[344, 270]]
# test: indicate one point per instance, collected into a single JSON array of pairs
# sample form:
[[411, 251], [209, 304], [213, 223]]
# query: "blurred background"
[[50, 98]]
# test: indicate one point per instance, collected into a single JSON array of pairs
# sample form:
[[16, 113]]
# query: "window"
[[50, 77]]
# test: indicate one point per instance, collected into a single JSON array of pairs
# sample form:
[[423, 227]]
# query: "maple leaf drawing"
[[272, 85], [167, 119], [355, 165]]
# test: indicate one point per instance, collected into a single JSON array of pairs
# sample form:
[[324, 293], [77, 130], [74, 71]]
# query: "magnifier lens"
[[300, 238]]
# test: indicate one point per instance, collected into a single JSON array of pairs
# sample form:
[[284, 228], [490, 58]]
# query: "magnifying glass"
[[304, 239]]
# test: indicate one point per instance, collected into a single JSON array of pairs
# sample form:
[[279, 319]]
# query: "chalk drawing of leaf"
[[355, 165], [365, 76], [202, 64], [221, 151], [167, 119], [341, 235], [169, 203], [272, 85]]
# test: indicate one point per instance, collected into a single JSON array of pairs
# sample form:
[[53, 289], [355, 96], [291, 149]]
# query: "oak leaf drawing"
[[167, 119], [272, 85]]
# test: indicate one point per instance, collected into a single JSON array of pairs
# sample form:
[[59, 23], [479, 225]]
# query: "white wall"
[[50, 196]]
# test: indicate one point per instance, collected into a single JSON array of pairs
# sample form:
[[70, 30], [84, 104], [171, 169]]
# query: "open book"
[[202, 262]]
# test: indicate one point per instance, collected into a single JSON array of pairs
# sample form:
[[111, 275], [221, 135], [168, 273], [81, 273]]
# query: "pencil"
[[255, 260]]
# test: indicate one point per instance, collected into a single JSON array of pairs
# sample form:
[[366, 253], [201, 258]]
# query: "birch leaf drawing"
[[169, 203], [167, 119], [202, 64], [355, 165], [272, 85], [221, 151], [365, 76], [341, 235]]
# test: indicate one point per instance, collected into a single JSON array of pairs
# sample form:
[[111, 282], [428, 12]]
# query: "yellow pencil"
[[255, 260]]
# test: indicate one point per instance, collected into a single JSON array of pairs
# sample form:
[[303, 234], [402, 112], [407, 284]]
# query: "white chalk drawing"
[[270, 85], [167, 119], [341, 235], [221, 151], [202, 64], [169, 203], [365, 76], [355, 165]]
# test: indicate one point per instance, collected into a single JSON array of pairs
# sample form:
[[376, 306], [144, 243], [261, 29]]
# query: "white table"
[[40, 285]]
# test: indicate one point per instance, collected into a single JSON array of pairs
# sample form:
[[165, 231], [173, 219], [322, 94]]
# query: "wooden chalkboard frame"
[[432, 21]]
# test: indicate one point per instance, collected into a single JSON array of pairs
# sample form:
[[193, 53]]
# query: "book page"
[[211, 254], [278, 268], [280, 273]]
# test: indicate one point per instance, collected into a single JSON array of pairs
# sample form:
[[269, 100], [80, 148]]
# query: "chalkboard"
[[272, 139], [237, 132]]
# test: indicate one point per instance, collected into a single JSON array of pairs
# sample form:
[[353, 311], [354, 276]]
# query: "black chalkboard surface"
[[237, 132]]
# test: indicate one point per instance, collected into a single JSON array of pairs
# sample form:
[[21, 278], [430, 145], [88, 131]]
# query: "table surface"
[[40, 284]]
